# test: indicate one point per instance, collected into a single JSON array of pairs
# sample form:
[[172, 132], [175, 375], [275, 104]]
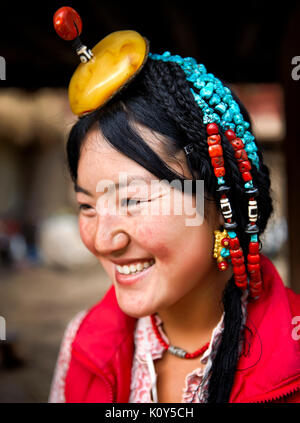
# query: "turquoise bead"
[[225, 252], [216, 118], [240, 131], [192, 78], [234, 107], [227, 117], [202, 69], [232, 234], [248, 137], [227, 99], [199, 84], [215, 99], [228, 125], [221, 107], [248, 185], [238, 118], [207, 91], [250, 147], [190, 60], [218, 97], [220, 91]]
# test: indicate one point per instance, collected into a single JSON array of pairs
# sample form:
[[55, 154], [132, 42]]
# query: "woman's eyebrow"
[[130, 179], [78, 188]]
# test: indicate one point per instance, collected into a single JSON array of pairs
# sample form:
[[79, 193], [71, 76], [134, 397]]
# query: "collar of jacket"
[[268, 369]]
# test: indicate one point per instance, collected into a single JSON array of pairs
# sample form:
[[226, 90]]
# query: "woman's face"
[[182, 254]]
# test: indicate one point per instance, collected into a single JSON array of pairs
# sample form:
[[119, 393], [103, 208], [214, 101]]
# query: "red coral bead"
[[244, 166], [65, 21], [230, 135], [239, 270], [255, 293], [234, 243], [240, 278], [215, 150], [212, 129], [225, 242], [253, 268], [257, 285], [214, 139], [236, 253], [241, 282], [217, 161], [253, 247], [219, 171], [223, 265], [256, 290], [246, 176], [237, 261], [253, 258], [242, 285], [255, 277], [241, 155], [237, 144]]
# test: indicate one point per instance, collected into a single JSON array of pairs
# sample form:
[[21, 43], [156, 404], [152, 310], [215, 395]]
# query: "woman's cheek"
[[87, 232]]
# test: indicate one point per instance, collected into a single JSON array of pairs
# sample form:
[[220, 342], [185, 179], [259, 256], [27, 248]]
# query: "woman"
[[168, 289]]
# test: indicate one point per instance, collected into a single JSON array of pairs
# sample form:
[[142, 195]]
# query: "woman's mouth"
[[131, 273]]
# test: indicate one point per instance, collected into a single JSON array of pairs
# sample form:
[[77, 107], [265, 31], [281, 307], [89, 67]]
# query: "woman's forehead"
[[95, 143]]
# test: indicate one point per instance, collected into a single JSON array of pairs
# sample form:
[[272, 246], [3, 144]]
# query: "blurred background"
[[46, 274]]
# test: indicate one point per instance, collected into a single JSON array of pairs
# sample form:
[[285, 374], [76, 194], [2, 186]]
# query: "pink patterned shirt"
[[147, 349]]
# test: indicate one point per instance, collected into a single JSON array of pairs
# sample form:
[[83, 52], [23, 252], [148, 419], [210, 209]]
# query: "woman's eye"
[[86, 208], [131, 202]]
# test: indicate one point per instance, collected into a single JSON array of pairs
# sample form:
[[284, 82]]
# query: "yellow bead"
[[116, 59]]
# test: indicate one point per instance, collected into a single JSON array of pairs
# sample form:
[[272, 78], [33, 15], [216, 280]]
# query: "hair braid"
[[175, 96]]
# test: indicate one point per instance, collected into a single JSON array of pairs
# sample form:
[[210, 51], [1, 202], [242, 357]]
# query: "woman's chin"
[[134, 307]]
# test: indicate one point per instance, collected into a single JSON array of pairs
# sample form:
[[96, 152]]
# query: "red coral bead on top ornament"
[[67, 23]]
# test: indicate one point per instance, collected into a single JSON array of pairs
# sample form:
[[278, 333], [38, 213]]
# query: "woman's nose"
[[110, 235]]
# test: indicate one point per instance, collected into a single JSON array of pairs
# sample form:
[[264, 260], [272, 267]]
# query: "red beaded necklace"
[[179, 352]]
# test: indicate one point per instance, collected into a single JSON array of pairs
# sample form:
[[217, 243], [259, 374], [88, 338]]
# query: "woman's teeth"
[[134, 268]]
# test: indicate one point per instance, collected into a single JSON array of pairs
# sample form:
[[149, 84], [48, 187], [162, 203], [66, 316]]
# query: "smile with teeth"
[[134, 268]]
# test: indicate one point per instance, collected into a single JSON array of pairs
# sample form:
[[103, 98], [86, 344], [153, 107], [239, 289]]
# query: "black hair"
[[160, 99]]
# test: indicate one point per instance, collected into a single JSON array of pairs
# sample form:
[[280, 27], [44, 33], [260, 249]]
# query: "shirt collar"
[[146, 340]]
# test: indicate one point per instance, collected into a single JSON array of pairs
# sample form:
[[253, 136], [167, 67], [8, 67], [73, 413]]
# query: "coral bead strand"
[[253, 259], [215, 152]]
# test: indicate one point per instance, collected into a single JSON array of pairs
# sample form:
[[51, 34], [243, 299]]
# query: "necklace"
[[179, 352]]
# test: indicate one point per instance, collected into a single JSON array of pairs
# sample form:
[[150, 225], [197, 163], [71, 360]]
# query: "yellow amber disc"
[[116, 59]]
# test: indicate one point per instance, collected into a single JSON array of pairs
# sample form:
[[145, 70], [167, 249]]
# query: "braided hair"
[[160, 99]]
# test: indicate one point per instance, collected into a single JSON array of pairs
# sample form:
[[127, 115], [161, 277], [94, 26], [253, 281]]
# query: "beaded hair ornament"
[[114, 62]]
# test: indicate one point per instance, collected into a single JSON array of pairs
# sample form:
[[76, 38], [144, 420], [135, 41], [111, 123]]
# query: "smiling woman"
[[139, 236], [192, 311]]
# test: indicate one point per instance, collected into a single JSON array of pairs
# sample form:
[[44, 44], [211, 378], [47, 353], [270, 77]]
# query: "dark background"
[[240, 42]]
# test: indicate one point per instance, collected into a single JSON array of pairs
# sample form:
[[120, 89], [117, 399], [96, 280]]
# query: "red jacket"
[[102, 351]]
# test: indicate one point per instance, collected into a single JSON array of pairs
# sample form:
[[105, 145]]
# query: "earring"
[[220, 249]]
